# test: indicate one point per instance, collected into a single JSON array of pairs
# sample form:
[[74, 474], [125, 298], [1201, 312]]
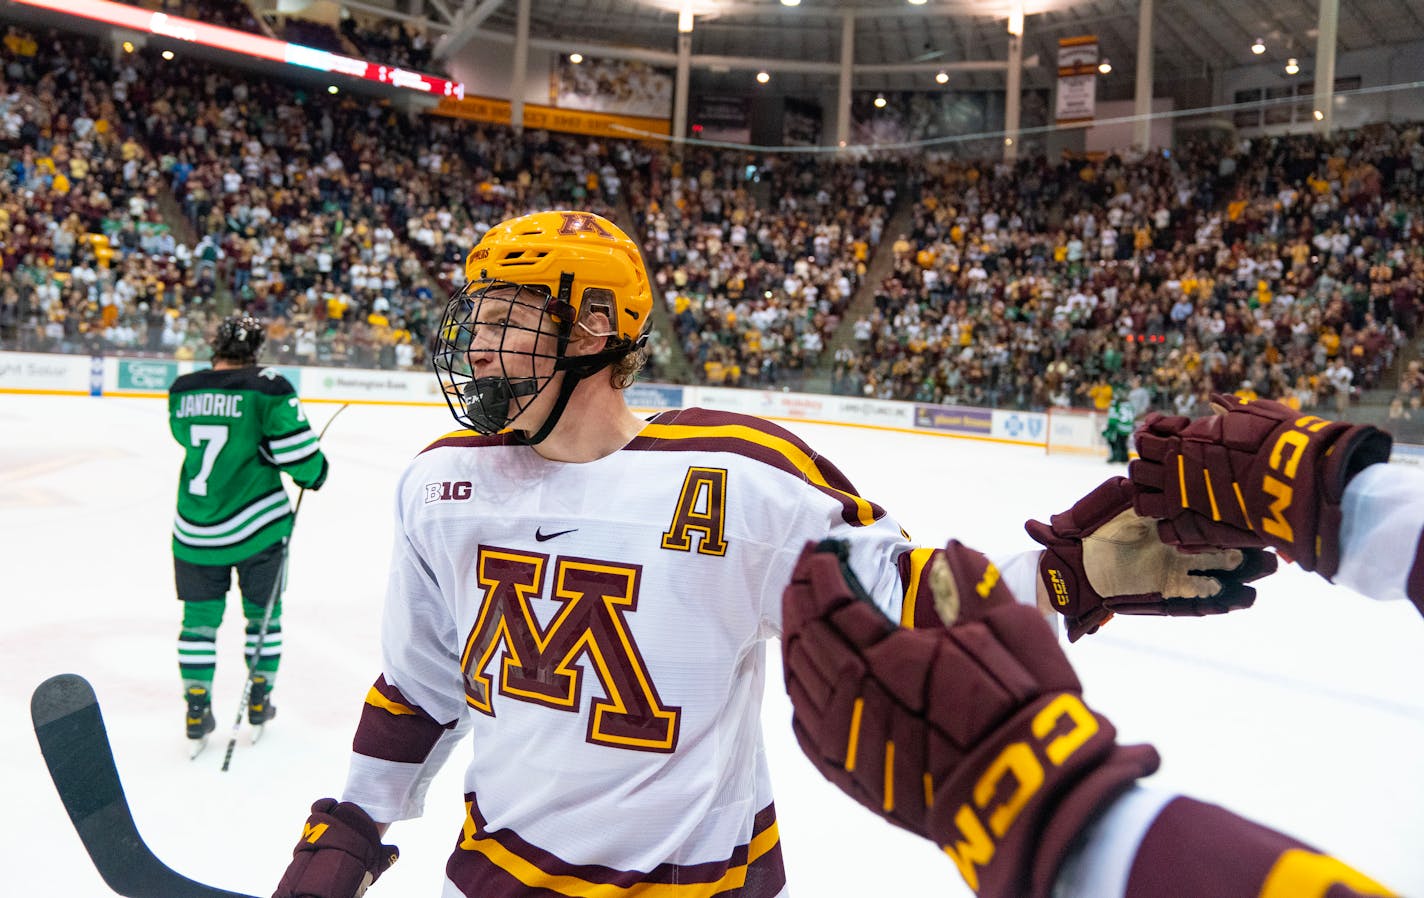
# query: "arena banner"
[[1024, 427], [874, 412], [150, 378], [35, 372], [654, 396], [954, 418], [366, 385], [1077, 80], [572, 121], [144, 375]]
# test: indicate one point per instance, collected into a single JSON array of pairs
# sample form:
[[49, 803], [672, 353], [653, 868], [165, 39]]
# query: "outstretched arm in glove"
[[975, 736], [1260, 473], [1101, 557], [1257, 473]]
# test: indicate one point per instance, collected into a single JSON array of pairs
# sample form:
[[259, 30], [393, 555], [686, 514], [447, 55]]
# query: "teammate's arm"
[[412, 718], [1320, 492], [974, 734]]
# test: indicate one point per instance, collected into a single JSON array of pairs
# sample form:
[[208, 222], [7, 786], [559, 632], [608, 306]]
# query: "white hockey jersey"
[[601, 628]]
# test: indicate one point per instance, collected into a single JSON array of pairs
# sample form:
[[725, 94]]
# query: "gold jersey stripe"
[[375, 699], [1298, 873], [798, 458], [919, 560], [529, 874], [454, 434]]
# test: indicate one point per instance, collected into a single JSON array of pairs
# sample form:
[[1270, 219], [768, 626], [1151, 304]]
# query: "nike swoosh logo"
[[541, 537]]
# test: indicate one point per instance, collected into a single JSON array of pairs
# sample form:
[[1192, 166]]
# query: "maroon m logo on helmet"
[[580, 222]]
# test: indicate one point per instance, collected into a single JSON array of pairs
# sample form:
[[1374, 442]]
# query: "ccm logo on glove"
[[1295, 442], [1060, 589], [1017, 770]]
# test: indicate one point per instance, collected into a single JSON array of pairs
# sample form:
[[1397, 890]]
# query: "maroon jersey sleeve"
[[392, 728], [1199, 850]]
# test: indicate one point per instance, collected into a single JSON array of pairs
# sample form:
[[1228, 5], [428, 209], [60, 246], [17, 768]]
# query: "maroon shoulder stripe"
[[468, 438], [837, 485]]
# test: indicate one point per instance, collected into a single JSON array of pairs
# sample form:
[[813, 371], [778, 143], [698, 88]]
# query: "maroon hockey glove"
[[1101, 557], [1258, 473], [973, 735], [338, 856]]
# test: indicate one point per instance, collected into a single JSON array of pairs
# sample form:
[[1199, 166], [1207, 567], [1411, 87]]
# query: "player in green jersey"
[[1121, 417], [240, 426]]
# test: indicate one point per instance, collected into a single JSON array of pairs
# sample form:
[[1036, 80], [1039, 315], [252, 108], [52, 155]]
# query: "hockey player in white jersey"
[[590, 593]]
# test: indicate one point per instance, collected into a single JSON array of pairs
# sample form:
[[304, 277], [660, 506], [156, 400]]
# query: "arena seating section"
[[139, 198]]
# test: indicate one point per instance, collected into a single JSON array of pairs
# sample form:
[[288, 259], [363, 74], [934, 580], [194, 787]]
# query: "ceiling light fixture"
[[1016, 17], [879, 101], [763, 77], [1258, 47], [942, 77], [575, 58], [168, 54], [1292, 66], [1105, 67]]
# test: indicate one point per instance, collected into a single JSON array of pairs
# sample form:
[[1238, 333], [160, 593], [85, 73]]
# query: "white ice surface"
[[1305, 712]]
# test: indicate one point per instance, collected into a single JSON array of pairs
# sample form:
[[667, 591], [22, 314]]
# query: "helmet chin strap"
[[575, 370]]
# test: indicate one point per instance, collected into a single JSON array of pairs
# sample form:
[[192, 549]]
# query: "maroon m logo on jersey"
[[542, 665]]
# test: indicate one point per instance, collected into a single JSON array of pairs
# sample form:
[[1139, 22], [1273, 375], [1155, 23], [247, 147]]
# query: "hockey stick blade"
[[76, 749]]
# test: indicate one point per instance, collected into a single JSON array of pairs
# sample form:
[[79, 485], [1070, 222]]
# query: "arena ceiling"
[[1192, 38]]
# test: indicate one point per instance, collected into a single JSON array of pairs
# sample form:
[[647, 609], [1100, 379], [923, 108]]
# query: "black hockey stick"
[[76, 749], [267, 613]]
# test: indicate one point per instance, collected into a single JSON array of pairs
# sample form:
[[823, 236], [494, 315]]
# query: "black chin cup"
[[487, 401]]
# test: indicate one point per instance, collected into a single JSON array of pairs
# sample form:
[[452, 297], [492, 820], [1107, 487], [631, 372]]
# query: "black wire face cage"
[[515, 324]]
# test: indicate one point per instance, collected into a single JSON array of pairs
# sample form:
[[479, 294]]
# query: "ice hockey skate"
[[259, 706], [199, 720]]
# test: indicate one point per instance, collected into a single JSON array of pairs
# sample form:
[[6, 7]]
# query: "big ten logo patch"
[[701, 509], [546, 665], [447, 490]]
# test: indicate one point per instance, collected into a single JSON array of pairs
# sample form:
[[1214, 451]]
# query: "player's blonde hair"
[[623, 372]]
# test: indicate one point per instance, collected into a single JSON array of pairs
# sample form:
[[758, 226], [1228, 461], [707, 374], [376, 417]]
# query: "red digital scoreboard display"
[[178, 28]]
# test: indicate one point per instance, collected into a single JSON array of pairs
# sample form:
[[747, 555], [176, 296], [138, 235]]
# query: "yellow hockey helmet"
[[558, 269], [542, 247]]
